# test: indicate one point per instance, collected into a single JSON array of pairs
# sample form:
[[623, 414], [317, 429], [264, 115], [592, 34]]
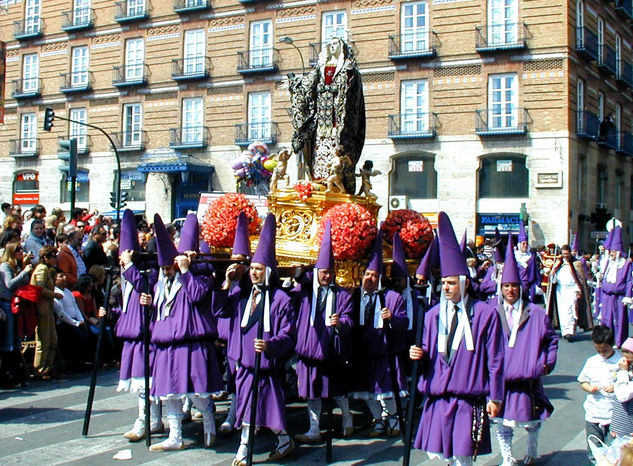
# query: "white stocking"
[[174, 417], [375, 409], [205, 406], [532, 449], [343, 403], [242, 451], [504, 437], [314, 413]]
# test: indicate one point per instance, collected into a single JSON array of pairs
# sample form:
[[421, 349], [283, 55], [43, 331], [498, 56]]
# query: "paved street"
[[42, 425]]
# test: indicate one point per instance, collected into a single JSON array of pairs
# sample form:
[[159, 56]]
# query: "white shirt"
[[66, 308], [600, 372]]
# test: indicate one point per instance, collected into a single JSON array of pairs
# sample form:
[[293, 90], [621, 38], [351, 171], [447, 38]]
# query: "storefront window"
[[504, 176], [82, 187], [133, 183], [414, 176]]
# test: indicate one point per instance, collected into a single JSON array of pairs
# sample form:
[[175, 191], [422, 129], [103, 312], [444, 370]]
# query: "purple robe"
[[271, 409], [185, 360], [535, 349], [613, 313], [488, 286], [372, 350], [322, 351], [530, 276], [455, 388]]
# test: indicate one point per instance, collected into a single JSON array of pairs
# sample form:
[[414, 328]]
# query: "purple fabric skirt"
[[271, 402], [523, 404]]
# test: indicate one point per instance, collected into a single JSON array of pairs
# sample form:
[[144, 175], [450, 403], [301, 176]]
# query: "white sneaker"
[[167, 445], [137, 432]]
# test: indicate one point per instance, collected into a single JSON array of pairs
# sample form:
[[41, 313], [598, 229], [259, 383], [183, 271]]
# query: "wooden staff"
[[147, 314]]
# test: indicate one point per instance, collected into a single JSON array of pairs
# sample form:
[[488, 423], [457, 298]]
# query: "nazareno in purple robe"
[[271, 408], [372, 351], [455, 388], [535, 348], [613, 313], [185, 361], [129, 328], [323, 352]]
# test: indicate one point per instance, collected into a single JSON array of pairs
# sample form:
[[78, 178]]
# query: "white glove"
[[627, 301]]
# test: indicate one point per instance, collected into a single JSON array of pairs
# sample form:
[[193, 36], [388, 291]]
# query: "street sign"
[[599, 234]]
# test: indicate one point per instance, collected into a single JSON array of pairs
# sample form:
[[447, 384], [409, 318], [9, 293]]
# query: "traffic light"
[[113, 199], [49, 117], [68, 153], [124, 196]]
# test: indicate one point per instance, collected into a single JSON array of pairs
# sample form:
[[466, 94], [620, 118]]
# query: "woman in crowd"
[[36, 239]]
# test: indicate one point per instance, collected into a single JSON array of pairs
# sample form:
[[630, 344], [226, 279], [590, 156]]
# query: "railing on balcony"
[[80, 18], [130, 75], [190, 68], [84, 143], [624, 8], [501, 120], [26, 147], [607, 61], [417, 44], [189, 137], [27, 88], [185, 6], [258, 60], [28, 28], [131, 10], [316, 47], [247, 133], [625, 73], [77, 81], [130, 141], [587, 125], [625, 143], [586, 43], [412, 126], [498, 37], [608, 135]]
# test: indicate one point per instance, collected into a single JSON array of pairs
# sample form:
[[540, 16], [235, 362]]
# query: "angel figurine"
[[365, 175]]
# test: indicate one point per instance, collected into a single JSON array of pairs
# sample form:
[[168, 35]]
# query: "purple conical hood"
[[616, 240], [241, 243], [462, 243], [165, 248], [510, 268], [375, 259], [325, 260], [265, 252], [497, 236], [452, 262], [574, 246], [499, 252], [607, 241], [522, 234], [189, 235], [129, 233], [204, 247], [431, 259], [399, 266]]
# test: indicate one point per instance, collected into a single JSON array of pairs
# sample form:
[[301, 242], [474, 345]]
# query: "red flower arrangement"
[[414, 228], [220, 220], [304, 189], [353, 230]]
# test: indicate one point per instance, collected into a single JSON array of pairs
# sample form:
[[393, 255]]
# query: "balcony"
[[189, 137], [607, 61], [187, 6], [130, 141], [28, 147], [76, 20], [77, 81], [258, 61], [501, 37], [84, 143], [246, 133], [625, 143], [624, 8], [29, 28], [130, 11], [316, 47], [190, 68], [27, 88], [130, 75], [412, 126], [417, 44], [586, 43], [624, 73], [607, 135], [587, 125], [501, 121]]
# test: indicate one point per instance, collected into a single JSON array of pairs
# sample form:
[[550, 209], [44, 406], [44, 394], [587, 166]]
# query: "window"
[[261, 48], [82, 187], [132, 125], [414, 28], [580, 13], [81, 12], [30, 72], [79, 64], [28, 133], [135, 7], [502, 21], [600, 40], [502, 101], [133, 183], [334, 25], [602, 183], [601, 106], [78, 131], [414, 176], [32, 12], [194, 52], [580, 95], [618, 55], [259, 115], [134, 56], [414, 106], [618, 122], [503, 176], [192, 113]]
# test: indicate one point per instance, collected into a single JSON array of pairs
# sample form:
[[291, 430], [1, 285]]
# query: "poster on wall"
[[26, 188]]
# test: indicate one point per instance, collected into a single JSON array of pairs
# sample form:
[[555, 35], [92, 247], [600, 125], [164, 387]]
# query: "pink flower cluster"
[[220, 220], [353, 231], [414, 228]]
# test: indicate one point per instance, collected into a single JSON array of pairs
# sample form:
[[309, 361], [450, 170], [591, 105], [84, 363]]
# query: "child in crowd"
[[597, 379], [622, 417]]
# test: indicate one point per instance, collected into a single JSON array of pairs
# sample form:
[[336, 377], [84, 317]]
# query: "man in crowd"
[[70, 260], [93, 252]]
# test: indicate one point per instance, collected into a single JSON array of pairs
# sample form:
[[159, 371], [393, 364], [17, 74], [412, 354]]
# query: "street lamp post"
[[288, 40]]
